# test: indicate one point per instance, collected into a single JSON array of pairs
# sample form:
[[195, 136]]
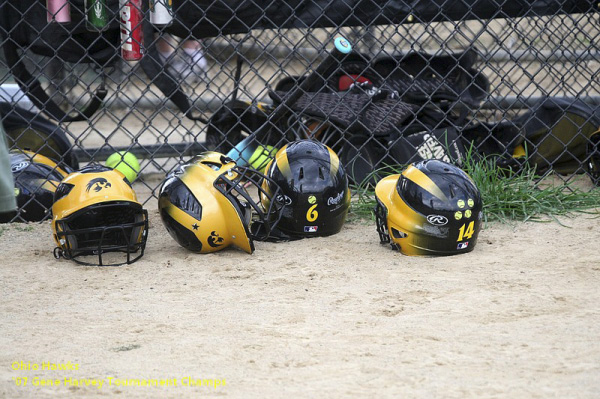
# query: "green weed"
[[507, 196]]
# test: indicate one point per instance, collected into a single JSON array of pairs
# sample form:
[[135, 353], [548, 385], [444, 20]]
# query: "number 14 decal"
[[465, 235]]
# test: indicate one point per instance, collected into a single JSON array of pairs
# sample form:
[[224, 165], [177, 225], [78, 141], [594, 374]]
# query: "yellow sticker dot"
[[458, 215], [468, 213], [312, 199], [471, 203], [460, 204]]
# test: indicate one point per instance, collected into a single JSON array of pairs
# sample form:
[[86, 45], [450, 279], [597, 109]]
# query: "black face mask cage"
[[263, 220], [380, 212], [115, 235]]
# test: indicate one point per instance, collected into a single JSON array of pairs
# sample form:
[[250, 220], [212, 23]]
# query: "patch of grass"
[[507, 196], [24, 227], [126, 348], [362, 206], [524, 196]]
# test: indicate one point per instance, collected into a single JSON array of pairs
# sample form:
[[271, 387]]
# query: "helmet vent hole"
[[301, 173], [398, 234], [321, 174], [452, 192]]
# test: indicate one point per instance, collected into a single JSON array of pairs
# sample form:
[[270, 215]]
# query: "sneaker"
[[189, 65]]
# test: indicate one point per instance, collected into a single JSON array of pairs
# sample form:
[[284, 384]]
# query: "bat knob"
[[342, 45]]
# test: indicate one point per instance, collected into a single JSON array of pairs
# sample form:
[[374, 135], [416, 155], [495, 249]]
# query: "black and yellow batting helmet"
[[314, 188], [96, 211], [36, 179], [205, 204], [431, 208]]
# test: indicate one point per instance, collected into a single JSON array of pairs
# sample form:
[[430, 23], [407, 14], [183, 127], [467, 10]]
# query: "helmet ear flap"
[[71, 241], [67, 243], [137, 233], [244, 207]]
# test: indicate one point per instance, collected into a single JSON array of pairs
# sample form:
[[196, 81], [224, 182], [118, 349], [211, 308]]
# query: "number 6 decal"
[[312, 214]]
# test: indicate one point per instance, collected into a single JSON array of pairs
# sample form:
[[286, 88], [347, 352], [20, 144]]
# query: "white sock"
[[197, 56]]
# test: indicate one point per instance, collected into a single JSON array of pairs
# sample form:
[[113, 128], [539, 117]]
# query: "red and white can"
[[58, 11], [132, 36], [161, 12]]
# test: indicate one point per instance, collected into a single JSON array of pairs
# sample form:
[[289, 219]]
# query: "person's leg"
[[188, 62], [8, 202], [166, 46], [193, 48]]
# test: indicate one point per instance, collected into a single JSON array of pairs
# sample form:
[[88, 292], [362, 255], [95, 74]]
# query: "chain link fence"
[[520, 88]]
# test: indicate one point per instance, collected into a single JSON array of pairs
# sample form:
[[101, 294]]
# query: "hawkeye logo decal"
[[98, 184], [437, 220], [214, 240]]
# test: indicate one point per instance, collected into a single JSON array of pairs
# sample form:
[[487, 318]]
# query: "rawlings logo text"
[[335, 200]]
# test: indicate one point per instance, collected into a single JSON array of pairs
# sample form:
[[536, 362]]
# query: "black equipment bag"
[[23, 26], [416, 77], [443, 144], [559, 133], [422, 77], [26, 130]]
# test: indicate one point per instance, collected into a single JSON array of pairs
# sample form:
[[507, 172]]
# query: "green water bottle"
[[96, 15]]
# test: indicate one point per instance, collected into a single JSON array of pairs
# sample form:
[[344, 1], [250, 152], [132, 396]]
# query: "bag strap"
[[32, 87], [29, 130], [159, 76], [593, 155]]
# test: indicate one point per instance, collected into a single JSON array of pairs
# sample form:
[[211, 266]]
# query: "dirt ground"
[[330, 317]]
